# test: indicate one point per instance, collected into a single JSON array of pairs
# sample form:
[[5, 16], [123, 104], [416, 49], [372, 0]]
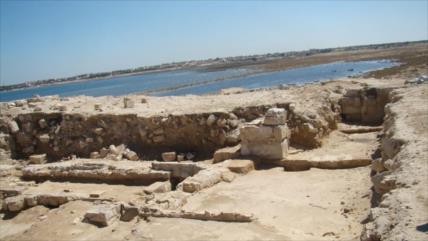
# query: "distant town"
[[208, 64]]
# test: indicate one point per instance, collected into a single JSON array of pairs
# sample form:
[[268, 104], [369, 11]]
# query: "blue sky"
[[48, 39]]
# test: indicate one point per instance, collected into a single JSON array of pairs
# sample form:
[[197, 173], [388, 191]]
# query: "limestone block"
[[273, 151], [263, 134], [38, 159], [203, 179], [52, 200], [128, 212], [169, 156], [131, 155], [30, 201], [94, 155], [180, 158], [102, 215], [227, 153], [128, 103], [42, 123], [211, 119], [44, 138], [177, 169], [240, 166], [158, 187], [275, 116], [14, 204], [13, 127]]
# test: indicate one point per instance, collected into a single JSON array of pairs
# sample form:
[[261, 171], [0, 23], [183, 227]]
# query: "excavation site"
[[337, 160]]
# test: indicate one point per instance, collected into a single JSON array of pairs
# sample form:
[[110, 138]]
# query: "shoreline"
[[355, 53]]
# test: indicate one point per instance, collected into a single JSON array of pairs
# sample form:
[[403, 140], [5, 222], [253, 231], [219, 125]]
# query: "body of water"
[[182, 82]]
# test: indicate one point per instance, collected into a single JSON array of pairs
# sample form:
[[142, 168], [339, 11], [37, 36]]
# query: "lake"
[[182, 82]]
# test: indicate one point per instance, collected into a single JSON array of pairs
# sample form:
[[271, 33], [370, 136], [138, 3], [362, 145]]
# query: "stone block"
[[263, 134], [44, 138], [94, 155], [128, 212], [13, 127], [240, 166], [128, 103], [158, 187], [227, 153], [275, 116], [203, 179], [169, 156], [38, 159], [30, 201], [102, 215], [52, 200], [131, 155], [14, 204], [273, 151], [178, 170]]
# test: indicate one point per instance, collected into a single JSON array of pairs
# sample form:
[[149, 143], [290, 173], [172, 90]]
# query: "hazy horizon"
[[42, 40]]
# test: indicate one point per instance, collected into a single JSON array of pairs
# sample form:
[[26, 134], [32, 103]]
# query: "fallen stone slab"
[[351, 129], [203, 179], [227, 153], [158, 187], [102, 215], [240, 166], [328, 162], [207, 216], [54, 199], [100, 170]]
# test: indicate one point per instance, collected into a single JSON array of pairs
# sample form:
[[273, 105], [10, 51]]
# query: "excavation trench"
[[327, 141], [60, 135]]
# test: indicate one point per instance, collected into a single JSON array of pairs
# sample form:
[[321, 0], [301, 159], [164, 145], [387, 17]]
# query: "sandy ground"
[[307, 205], [321, 198]]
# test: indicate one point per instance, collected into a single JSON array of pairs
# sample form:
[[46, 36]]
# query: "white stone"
[[38, 159], [158, 187], [13, 126], [272, 151], [275, 116], [169, 156]]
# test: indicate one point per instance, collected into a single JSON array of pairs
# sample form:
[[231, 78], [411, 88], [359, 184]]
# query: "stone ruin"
[[268, 140], [110, 151]]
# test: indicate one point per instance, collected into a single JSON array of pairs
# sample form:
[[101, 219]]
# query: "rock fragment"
[[101, 215], [169, 156], [128, 212], [13, 127], [37, 159], [275, 116], [158, 187], [128, 102], [240, 166], [226, 153]]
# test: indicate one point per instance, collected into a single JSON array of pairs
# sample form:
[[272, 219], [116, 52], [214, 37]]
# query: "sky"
[[54, 39]]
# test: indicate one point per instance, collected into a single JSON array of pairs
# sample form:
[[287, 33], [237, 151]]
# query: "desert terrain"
[[337, 160]]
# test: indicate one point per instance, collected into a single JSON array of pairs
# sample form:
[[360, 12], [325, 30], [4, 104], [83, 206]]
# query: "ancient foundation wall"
[[365, 106], [61, 134]]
